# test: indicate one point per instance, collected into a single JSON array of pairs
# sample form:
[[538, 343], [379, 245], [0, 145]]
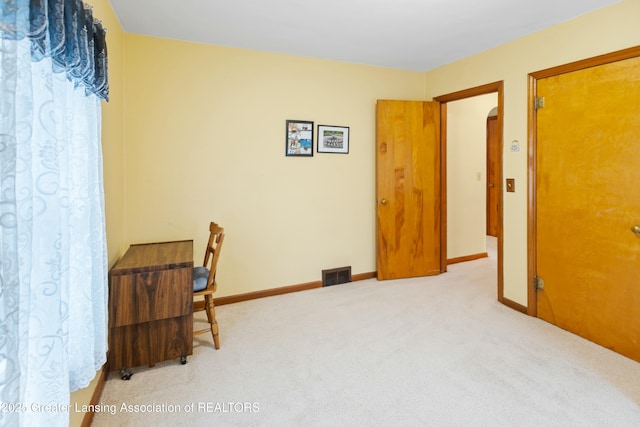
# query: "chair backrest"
[[212, 253]]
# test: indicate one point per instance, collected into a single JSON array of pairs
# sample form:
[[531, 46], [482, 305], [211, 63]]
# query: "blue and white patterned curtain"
[[53, 255]]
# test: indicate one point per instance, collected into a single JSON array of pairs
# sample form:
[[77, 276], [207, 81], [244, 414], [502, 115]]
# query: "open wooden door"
[[493, 175], [408, 189], [588, 205]]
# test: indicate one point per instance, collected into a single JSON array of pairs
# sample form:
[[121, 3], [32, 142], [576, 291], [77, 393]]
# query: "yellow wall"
[[609, 29], [205, 132], [113, 138], [113, 156]]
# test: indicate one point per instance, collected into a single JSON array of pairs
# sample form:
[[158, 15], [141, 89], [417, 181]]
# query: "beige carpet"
[[437, 351]]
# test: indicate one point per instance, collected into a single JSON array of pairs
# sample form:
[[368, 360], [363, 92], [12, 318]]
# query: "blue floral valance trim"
[[65, 31]]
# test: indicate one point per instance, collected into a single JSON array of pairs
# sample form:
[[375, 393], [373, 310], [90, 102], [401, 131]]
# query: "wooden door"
[[493, 175], [408, 188], [587, 202]]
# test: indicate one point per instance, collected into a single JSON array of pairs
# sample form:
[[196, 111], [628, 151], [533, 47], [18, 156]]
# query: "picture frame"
[[333, 139], [299, 138]]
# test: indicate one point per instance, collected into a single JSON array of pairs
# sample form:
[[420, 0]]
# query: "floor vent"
[[336, 276]]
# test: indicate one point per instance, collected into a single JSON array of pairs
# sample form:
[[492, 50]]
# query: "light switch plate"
[[511, 185]]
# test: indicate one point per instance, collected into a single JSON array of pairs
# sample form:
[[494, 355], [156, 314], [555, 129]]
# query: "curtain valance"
[[65, 31]]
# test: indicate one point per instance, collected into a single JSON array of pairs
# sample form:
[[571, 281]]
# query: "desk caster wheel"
[[125, 375], [183, 360]]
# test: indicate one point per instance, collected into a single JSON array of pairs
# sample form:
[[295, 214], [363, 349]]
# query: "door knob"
[[384, 202], [491, 185], [636, 229]]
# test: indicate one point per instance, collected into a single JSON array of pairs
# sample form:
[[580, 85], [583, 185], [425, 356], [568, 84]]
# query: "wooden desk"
[[151, 305]]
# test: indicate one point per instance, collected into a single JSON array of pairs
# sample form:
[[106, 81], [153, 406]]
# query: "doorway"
[[468, 177], [491, 88]]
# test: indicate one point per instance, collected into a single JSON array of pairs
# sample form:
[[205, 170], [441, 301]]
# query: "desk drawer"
[[154, 295]]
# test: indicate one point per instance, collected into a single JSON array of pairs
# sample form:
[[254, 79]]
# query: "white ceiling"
[[417, 35]]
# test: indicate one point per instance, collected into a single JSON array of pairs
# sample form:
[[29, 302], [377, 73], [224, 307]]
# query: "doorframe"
[[532, 125], [495, 87]]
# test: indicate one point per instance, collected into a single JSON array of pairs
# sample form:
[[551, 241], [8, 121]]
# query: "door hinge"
[[538, 103], [538, 283]]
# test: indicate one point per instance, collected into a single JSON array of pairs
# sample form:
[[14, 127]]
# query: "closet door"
[[588, 203]]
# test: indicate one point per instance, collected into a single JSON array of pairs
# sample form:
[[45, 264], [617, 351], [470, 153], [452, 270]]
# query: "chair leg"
[[211, 315], [207, 299]]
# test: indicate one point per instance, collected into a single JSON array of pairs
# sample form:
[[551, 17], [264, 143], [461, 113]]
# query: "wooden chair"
[[204, 281]]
